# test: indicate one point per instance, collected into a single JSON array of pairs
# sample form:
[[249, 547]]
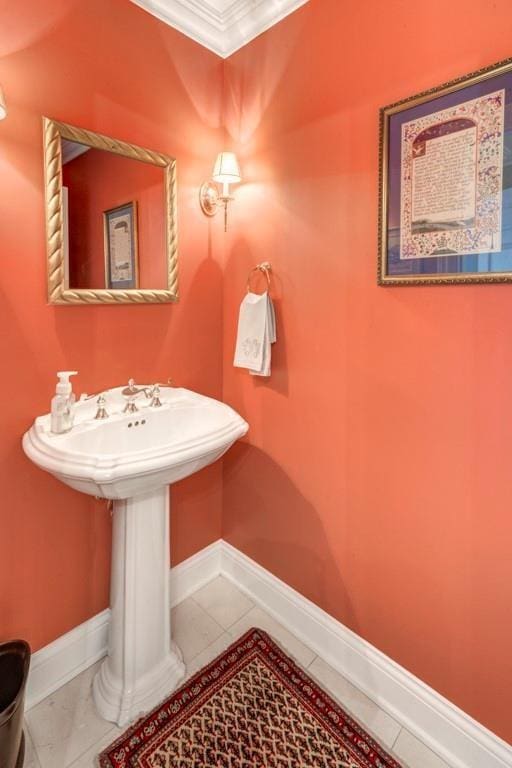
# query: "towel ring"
[[264, 267]]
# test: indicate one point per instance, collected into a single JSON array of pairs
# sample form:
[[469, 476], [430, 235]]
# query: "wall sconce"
[[3, 108], [226, 171]]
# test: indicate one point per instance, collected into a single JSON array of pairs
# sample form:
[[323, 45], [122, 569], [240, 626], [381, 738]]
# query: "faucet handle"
[[155, 396], [101, 413]]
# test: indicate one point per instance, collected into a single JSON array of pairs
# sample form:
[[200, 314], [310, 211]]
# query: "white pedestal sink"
[[133, 458]]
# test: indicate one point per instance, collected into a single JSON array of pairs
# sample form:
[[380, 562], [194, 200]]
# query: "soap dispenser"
[[62, 404]]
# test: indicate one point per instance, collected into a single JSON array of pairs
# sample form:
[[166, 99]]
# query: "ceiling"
[[223, 26]]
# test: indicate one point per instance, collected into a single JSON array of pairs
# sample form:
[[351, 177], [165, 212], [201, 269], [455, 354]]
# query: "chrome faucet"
[[131, 392]]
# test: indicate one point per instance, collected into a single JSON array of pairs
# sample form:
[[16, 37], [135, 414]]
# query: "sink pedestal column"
[[142, 667]]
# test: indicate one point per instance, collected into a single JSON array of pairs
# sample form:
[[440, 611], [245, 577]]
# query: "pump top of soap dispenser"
[[64, 385]]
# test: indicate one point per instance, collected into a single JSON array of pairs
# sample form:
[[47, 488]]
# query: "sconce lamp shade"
[[226, 169], [3, 108]]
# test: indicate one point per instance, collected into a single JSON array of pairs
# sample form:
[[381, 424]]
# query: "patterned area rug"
[[252, 707]]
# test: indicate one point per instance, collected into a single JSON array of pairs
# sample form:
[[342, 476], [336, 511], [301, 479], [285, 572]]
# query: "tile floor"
[[64, 731]]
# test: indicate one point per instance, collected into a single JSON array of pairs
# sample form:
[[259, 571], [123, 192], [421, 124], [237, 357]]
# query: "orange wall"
[[112, 68], [98, 181], [375, 477], [376, 474]]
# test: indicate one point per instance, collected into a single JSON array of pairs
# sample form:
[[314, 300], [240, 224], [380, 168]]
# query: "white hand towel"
[[270, 337], [256, 332]]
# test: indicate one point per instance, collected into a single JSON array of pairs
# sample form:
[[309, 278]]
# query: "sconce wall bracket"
[[209, 198], [226, 171]]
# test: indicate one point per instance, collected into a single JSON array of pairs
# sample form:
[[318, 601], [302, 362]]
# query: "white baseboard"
[[60, 661], [195, 572], [456, 737]]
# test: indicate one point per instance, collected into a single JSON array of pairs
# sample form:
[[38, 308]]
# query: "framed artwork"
[[445, 202], [121, 247]]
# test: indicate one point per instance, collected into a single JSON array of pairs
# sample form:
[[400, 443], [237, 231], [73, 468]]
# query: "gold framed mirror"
[[110, 219]]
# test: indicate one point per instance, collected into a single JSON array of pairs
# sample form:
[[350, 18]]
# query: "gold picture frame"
[[449, 267], [59, 291]]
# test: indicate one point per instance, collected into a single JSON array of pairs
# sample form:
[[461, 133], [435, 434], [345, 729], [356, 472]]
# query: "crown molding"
[[223, 26]]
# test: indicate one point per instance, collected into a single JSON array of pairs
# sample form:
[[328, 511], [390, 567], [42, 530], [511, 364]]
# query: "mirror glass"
[[114, 220]]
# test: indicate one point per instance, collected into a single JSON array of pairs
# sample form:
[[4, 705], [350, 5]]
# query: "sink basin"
[[132, 458], [129, 454]]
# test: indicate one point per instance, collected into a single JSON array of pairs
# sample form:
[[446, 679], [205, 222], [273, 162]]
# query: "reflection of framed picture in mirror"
[[121, 247]]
